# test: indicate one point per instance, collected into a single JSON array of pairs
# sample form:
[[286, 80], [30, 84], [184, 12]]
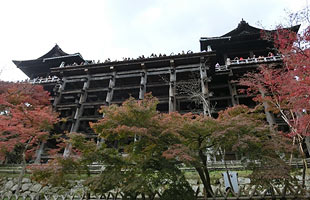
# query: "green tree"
[[143, 149], [238, 129], [135, 138], [193, 138], [265, 150], [136, 129]]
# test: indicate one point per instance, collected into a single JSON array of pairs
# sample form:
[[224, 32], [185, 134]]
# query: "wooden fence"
[[214, 165], [283, 193]]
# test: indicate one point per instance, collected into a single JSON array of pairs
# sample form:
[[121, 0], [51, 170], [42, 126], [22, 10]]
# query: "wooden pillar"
[[143, 82], [172, 87], [233, 92], [78, 113], [111, 88], [204, 87], [80, 108], [60, 89], [109, 97]]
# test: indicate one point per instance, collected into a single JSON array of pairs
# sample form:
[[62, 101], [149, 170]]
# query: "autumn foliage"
[[286, 88], [26, 117], [142, 150]]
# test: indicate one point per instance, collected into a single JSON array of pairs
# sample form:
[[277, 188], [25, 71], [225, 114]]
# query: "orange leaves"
[[25, 115], [233, 112], [132, 118], [179, 152]]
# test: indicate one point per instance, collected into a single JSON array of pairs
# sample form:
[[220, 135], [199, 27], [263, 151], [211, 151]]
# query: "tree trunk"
[[208, 180], [24, 164], [21, 175], [204, 174], [205, 181]]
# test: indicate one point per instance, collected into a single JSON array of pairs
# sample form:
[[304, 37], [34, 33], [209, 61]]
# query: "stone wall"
[[8, 187]]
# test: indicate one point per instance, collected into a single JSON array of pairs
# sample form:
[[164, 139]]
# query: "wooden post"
[[59, 91], [111, 88], [143, 82], [78, 113], [172, 87], [204, 87], [233, 93]]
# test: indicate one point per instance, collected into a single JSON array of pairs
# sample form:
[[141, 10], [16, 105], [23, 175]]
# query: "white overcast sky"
[[100, 29]]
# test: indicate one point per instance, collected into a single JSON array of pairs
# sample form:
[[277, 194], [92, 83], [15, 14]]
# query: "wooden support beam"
[[126, 88], [233, 93], [157, 73], [60, 89], [111, 88], [143, 82], [172, 87], [78, 114], [205, 87], [187, 70]]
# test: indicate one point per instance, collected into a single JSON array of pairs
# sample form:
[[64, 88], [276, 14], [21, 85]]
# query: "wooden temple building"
[[79, 87]]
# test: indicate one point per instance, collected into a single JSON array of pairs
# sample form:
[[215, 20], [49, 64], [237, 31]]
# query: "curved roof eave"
[[54, 52]]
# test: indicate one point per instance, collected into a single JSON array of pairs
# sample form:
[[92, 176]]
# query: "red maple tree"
[[286, 88], [26, 118]]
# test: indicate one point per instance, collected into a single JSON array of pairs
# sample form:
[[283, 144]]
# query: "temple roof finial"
[[242, 22]]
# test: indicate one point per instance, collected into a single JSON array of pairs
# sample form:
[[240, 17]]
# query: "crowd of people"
[[142, 57], [270, 54], [218, 67]]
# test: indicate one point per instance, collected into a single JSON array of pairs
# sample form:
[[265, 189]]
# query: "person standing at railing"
[[228, 61], [260, 58]]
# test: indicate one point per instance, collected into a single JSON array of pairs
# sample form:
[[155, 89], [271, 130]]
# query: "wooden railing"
[[254, 60], [226, 67], [212, 165], [40, 80], [221, 68]]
